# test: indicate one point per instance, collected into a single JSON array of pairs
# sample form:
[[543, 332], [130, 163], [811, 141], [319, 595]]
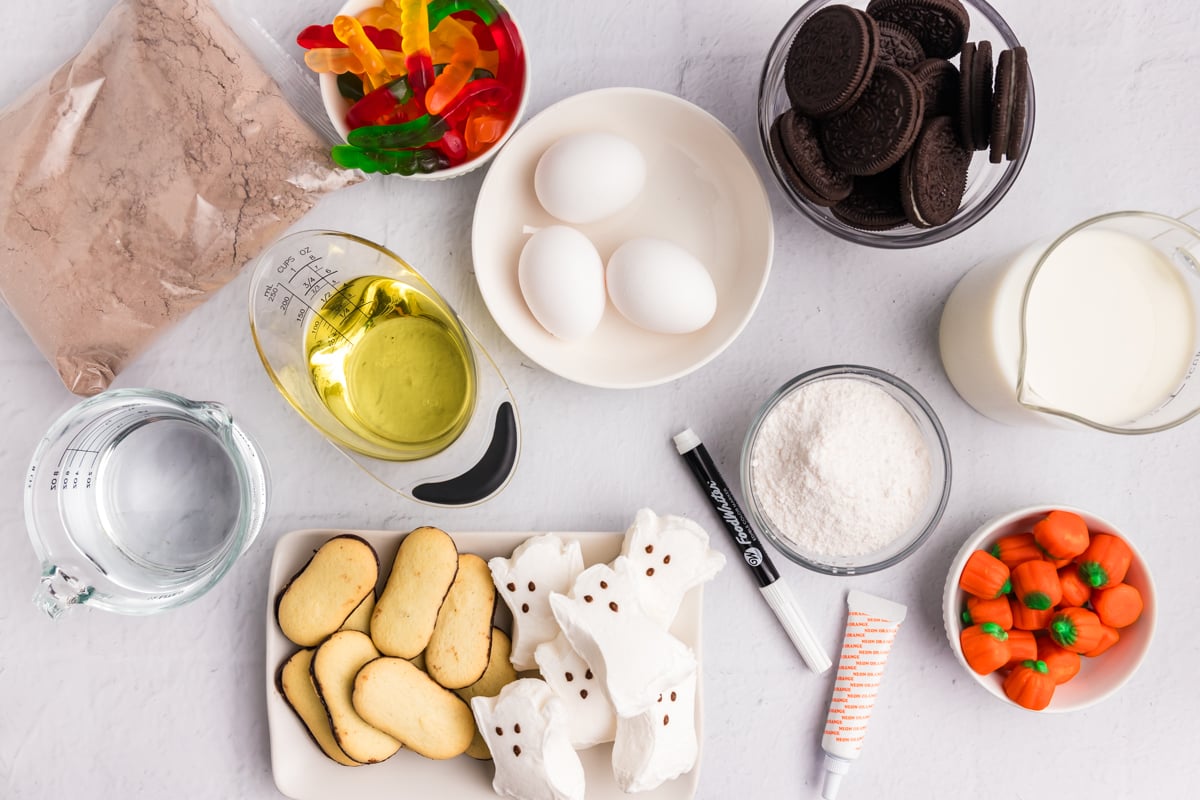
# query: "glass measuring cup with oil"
[[366, 350]]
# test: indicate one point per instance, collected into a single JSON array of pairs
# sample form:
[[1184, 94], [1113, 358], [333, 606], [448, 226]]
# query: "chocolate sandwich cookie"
[[981, 95], [1002, 107], [933, 175], [1020, 104], [941, 26], [938, 81], [898, 47], [831, 60], [796, 148], [966, 65], [875, 132], [874, 205]]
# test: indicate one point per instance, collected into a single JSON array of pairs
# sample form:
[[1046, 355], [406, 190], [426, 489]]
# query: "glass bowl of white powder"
[[846, 470]]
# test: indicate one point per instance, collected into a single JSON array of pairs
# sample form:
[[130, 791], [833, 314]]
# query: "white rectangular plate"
[[303, 772]]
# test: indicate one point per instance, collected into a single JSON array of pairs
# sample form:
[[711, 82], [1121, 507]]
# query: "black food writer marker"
[[777, 593]]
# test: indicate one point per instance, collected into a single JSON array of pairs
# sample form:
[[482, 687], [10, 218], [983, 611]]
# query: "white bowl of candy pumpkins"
[[1049, 608]]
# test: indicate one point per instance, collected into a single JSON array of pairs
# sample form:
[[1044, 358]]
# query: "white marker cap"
[[783, 603], [688, 440]]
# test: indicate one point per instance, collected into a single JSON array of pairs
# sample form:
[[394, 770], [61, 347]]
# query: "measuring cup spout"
[[58, 591]]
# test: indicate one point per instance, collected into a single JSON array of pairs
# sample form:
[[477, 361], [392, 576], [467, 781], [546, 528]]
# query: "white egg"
[[659, 286], [562, 279], [585, 177]]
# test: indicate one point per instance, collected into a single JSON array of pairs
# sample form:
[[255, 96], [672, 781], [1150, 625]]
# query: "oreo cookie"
[[874, 205], [796, 148], [876, 131], [966, 65], [1002, 107], [831, 60], [933, 175], [941, 26], [981, 95], [938, 81], [1020, 104], [898, 47]]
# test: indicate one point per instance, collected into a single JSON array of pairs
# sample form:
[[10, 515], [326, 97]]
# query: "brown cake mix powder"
[[139, 178]]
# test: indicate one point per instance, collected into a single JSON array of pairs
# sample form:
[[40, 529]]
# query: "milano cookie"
[[323, 594], [457, 653], [407, 610], [402, 701], [334, 665]]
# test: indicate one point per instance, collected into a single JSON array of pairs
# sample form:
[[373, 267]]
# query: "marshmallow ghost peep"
[[591, 717], [660, 744], [539, 566], [669, 556], [525, 727], [631, 654]]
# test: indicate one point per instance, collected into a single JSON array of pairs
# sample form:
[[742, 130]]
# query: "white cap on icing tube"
[[835, 768]]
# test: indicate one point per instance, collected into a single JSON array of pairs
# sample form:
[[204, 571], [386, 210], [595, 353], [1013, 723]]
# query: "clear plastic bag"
[[140, 177]]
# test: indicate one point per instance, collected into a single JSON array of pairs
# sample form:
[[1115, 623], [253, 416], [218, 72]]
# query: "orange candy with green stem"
[[1108, 638], [1076, 629], [1022, 646], [997, 610], [1063, 664], [1036, 585], [1061, 534], [1118, 606], [1012, 550], [1029, 619], [1075, 591], [1030, 685], [984, 576], [1105, 561], [985, 647]]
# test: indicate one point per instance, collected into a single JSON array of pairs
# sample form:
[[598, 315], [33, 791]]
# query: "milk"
[[1111, 326]]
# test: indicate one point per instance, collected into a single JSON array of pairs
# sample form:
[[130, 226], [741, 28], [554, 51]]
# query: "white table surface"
[[99, 705]]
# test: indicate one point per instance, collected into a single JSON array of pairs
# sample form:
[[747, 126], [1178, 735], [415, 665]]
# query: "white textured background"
[[99, 705]]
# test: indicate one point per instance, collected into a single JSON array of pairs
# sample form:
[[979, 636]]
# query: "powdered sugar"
[[840, 468]]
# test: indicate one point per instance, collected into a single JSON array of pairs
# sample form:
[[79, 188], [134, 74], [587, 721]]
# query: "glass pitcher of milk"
[[1096, 328]]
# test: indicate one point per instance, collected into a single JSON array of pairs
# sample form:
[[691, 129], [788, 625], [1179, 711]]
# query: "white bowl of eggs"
[[622, 238]]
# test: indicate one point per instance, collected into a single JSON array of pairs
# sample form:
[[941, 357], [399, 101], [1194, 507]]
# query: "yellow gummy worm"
[[414, 26], [350, 32], [339, 59], [381, 18]]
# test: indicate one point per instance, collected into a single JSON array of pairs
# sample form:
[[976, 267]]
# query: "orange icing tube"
[[350, 32], [455, 76], [871, 626]]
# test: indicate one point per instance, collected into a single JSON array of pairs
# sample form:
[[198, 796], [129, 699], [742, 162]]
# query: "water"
[[163, 507]]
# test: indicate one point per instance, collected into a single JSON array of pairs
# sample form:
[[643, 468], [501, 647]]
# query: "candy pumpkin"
[[1105, 561], [1075, 590], [1014, 549], [1108, 638], [984, 576], [1061, 535], [1063, 664], [1030, 685], [1076, 629], [1118, 606], [1036, 585], [1022, 646], [985, 647], [997, 610], [1029, 619]]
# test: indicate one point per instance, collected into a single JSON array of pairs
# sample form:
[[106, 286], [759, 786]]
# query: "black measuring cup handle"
[[487, 476]]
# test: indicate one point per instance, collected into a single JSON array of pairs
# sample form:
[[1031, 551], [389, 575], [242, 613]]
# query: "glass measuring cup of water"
[[139, 500], [370, 354], [1097, 328]]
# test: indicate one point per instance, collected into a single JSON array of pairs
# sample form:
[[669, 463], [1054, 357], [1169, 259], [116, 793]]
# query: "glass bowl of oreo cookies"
[[896, 123]]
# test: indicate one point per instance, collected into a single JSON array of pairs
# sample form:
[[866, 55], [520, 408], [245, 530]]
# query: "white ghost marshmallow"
[[631, 654], [525, 727], [669, 555], [539, 566], [590, 715], [660, 744]]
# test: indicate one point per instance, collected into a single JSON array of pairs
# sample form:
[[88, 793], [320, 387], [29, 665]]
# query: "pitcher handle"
[[57, 591]]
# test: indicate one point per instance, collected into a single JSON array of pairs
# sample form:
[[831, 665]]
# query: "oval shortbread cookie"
[[407, 610], [334, 667], [323, 594], [296, 686], [458, 649], [396, 697]]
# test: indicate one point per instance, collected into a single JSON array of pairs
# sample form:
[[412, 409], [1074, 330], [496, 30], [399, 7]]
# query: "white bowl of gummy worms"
[[474, 73]]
